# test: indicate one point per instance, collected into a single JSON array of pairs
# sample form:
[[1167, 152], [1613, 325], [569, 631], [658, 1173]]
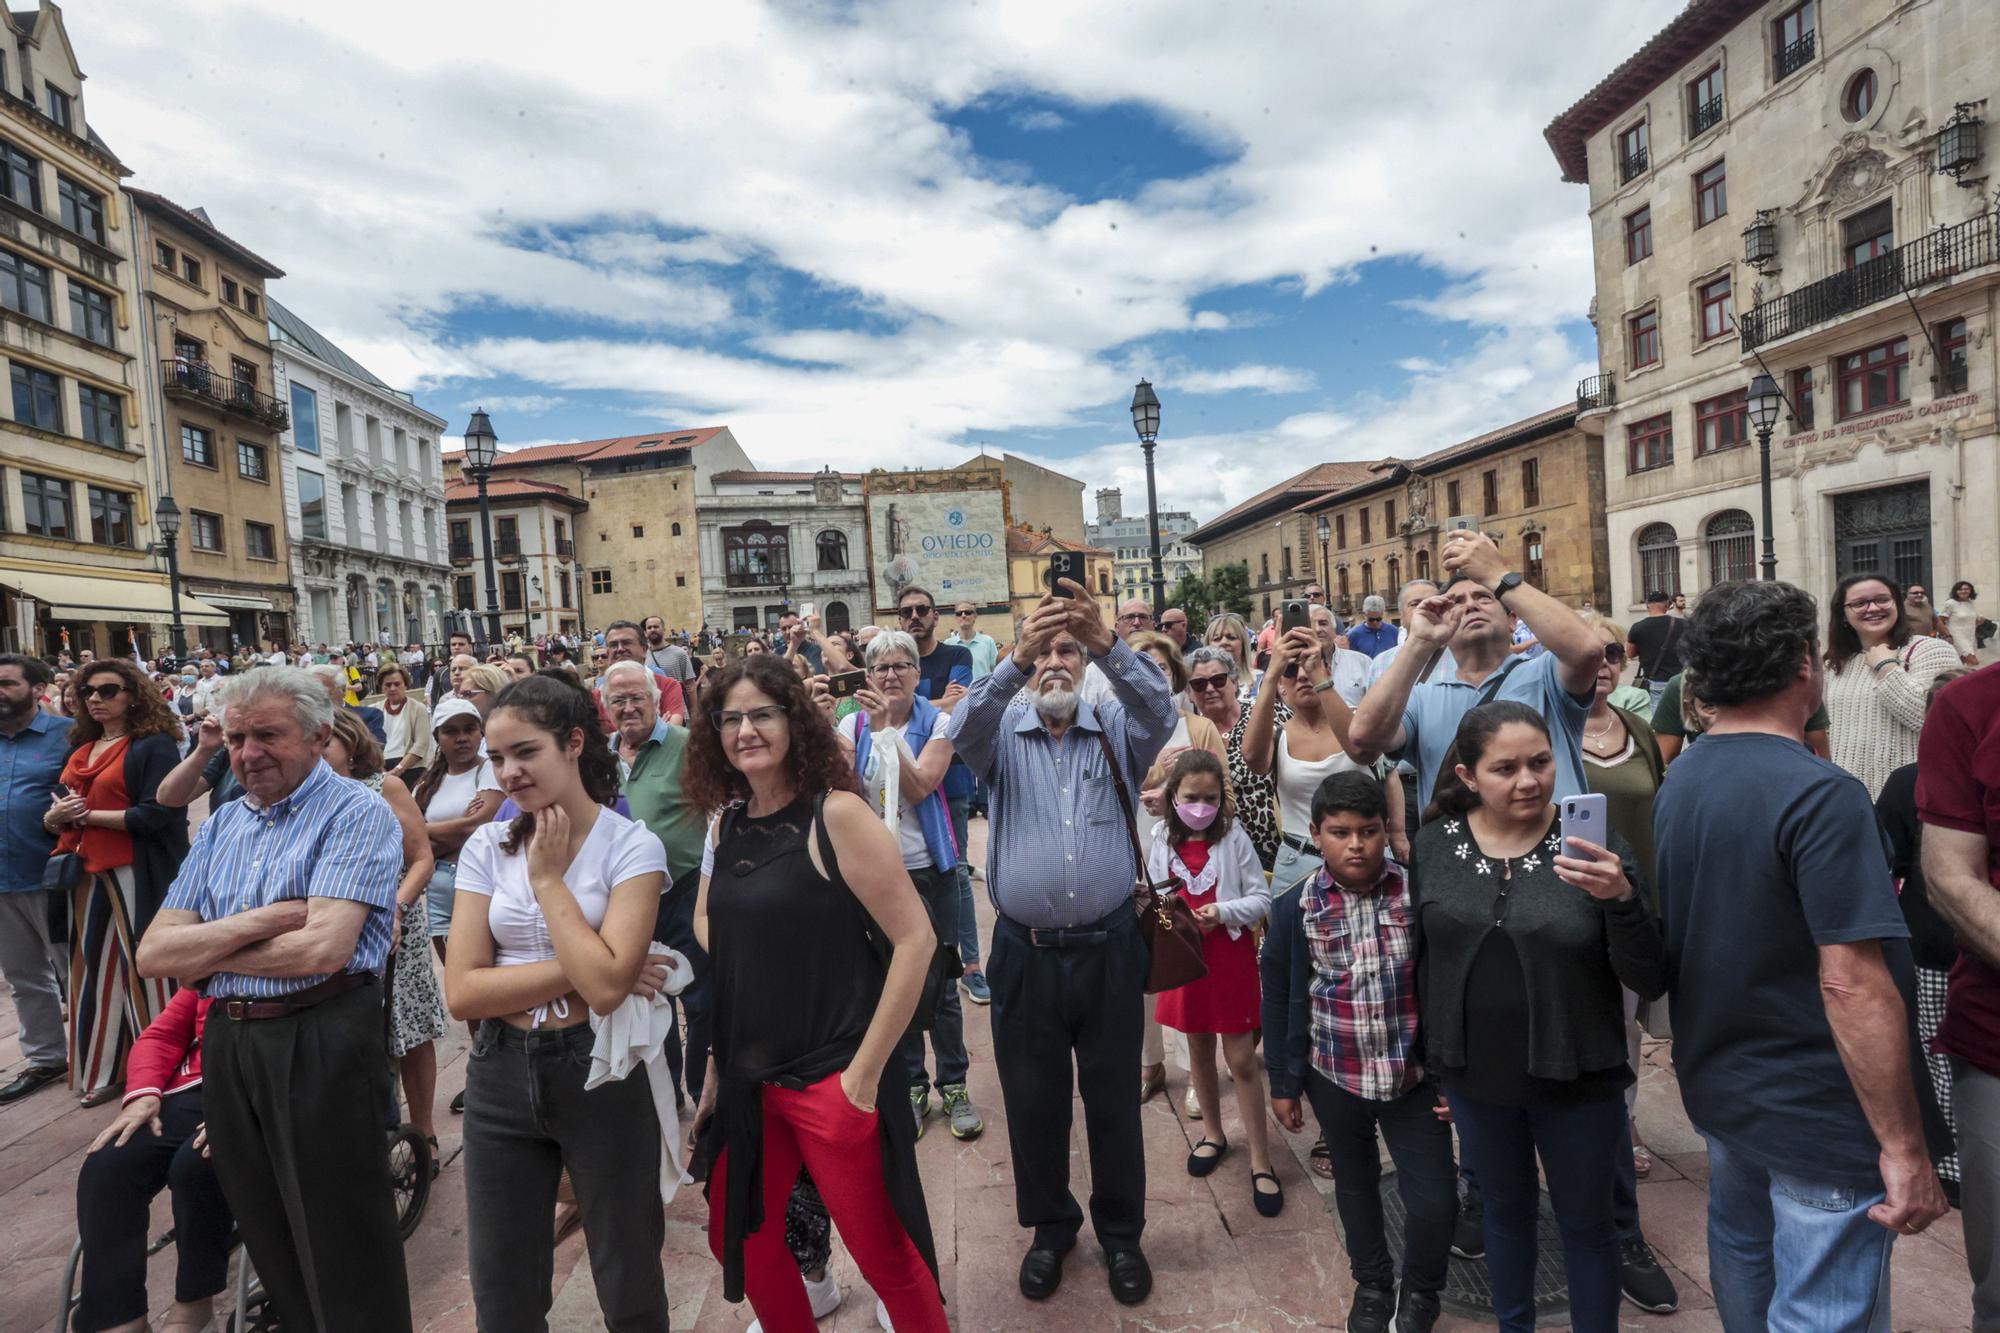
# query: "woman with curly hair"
[[803, 892], [106, 809], [1878, 675]]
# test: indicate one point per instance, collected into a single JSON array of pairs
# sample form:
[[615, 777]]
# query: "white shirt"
[[616, 849], [1242, 893], [457, 791], [883, 750]]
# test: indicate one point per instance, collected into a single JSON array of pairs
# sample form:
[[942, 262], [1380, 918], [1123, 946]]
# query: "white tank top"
[[1298, 779]]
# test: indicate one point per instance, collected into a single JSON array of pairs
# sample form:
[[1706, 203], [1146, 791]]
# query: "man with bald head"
[[444, 682], [1134, 615]]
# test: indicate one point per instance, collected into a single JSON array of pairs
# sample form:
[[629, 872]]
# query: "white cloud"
[[526, 403], [1256, 379], [1040, 120]]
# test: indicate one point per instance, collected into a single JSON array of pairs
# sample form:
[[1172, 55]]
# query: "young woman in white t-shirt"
[[553, 922]]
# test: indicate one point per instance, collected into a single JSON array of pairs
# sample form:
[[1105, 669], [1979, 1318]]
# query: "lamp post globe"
[[1763, 401], [1146, 421], [482, 446]]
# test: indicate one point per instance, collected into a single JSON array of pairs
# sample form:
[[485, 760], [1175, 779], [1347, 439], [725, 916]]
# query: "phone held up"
[[843, 684], [1588, 818], [1296, 615], [1065, 565]]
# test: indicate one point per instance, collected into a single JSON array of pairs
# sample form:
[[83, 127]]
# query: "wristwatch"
[[1508, 582]]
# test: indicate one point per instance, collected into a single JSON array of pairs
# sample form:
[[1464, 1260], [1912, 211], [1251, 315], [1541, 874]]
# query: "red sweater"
[[166, 1057]]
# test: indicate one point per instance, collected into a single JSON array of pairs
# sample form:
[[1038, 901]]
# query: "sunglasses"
[[915, 612], [1207, 683], [99, 691], [1614, 654]]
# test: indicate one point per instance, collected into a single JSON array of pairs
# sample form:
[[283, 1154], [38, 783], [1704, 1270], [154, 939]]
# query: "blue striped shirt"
[[1058, 853], [330, 838]]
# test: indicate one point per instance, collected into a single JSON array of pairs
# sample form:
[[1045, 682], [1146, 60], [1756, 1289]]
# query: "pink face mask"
[[1197, 815]]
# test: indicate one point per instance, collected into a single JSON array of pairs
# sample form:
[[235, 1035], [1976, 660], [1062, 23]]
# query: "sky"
[[891, 233]]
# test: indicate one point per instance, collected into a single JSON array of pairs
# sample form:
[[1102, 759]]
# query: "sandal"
[[1321, 1159], [1199, 1165], [99, 1096], [1269, 1202], [437, 1164], [1642, 1161]]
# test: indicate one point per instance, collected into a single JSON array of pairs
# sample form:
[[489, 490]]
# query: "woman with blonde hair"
[[480, 685], [1229, 633]]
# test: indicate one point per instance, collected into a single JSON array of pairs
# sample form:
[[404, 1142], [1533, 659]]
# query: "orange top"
[[102, 786]]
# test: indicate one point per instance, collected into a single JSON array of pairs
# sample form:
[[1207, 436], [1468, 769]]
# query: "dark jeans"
[[675, 928], [114, 1197], [968, 918], [1420, 1145], [1084, 1002], [1624, 1190], [527, 1118], [1578, 1144], [294, 1111], [940, 889]]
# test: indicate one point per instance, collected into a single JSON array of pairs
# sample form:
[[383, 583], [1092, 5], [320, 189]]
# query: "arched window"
[[1367, 578], [1424, 563], [832, 548], [1531, 555], [756, 555], [836, 617], [1395, 573], [675, 529], [1659, 559], [1732, 547]]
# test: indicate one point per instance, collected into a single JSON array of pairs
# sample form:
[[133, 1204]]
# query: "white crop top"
[[616, 849]]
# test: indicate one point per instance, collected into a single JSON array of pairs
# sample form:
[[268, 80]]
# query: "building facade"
[[773, 542], [1028, 552], [1803, 189], [1037, 496], [1129, 540], [538, 582], [1271, 537], [364, 495], [206, 345]]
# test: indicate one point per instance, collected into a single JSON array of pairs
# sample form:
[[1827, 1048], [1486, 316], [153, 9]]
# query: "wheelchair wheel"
[[409, 1176]]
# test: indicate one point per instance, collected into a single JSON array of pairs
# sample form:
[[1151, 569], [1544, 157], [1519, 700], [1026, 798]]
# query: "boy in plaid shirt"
[[1339, 973]]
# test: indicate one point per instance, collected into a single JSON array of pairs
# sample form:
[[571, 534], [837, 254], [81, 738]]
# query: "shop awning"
[[79, 597]]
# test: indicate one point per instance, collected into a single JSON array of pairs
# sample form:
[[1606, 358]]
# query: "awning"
[[77, 597], [233, 601]]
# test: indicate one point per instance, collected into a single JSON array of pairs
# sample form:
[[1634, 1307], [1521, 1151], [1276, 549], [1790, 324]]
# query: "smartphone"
[[61, 790], [808, 610], [843, 684], [1296, 615], [1065, 565], [1586, 817]]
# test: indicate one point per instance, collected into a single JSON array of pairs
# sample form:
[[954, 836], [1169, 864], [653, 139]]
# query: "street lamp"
[[1324, 531], [1764, 402], [481, 447], [1146, 420], [168, 515]]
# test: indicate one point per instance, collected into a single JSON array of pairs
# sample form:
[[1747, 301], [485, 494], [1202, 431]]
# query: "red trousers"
[[840, 1145]]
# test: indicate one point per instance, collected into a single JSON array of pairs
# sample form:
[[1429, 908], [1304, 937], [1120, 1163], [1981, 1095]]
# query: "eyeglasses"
[[1614, 653], [1173, 624], [1136, 617], [626, 701], [893, 668], [106, 692], [1207, 683], [915, 612], [761, 719], [1863, 603]]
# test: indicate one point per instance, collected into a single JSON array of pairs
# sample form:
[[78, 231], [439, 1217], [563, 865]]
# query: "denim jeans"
[[940, 889], [968, 918], [1976, 1094], [1793, 1255]]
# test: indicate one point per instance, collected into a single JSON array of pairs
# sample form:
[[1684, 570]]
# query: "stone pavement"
[[1217, 1264]]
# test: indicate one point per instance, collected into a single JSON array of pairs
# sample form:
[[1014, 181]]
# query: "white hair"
[[892, 641], [1373, 603], [1056, 707], [301, 688], [327, 671], [626, 666]]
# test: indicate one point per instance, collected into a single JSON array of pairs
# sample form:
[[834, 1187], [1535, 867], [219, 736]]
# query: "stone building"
[[1028, 552], [207, 344], [538, 583], [1803, 189], [1038, 496], [1268, 536], [778, 541], [1128, 538], [364, 492]]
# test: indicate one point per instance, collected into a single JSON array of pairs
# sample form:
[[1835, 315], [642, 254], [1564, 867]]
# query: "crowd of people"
[[709, 915]]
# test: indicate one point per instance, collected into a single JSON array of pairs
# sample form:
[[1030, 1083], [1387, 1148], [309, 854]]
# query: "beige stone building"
[[1037, 496], [535, 527], [1028, 552], [1269, 535], [1804, 189], [205, 333]]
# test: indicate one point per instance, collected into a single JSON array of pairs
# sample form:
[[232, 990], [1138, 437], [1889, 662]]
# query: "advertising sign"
[[952, 542]]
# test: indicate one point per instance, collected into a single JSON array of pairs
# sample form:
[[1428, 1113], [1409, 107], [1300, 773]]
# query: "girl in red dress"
[[1212, 863]]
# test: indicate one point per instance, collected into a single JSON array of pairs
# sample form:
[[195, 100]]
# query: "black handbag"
[[1166, 922], [63, 872]]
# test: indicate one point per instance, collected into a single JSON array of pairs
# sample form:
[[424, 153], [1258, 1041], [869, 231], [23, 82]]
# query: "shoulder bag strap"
[[1667, 648], [1125, 808]]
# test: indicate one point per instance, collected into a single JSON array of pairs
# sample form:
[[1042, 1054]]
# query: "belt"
[[284, 1006], [1073, 937]]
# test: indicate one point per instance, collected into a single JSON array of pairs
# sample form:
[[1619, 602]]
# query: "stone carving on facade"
[[1419, 502]]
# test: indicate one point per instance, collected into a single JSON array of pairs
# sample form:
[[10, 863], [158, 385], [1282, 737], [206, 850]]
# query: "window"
[[110, 517], [681, 581], [253, 461], [205, 530], [260, 541], [1531, 560], [1639, 235], [229, 289], [1721, 423], [37, 398], [45, 507], [1367, 578], [1388, 517], [1489, 493], [1873, 378], [1650, 443], [1792, 40], [20, 177], [1802, 398], [1452, 508], [461, 539], [1705, 102], [1711, 194], [1340, 531], [250, 301], [638, 531], [89, 313], [1718, 308], [1642, 337], [461, 592], [163, 256], [103, 416], [24, 287], [1732, 550], [1423, 563], [600, 581], [1659, 559], [1869, 234], [191, 269], [312, 504], [1632, 151], [1531, 482], [244, 373], [1346, 594], [562, 581], [832, 549], [1285, 563], [82, 209], [1858, 98], [197, 446], [1263, 566], [59, 107], [510, 591], [1952, 376], [673, 529], [305, 419], [1365, 536]]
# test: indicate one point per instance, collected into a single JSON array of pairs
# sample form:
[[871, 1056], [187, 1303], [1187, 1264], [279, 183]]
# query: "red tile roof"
[[1026, 541], [508, 488], [1316, 480], [599, 450], [739, 476], [1541, 423]]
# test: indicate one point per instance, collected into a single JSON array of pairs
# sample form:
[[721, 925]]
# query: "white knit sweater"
[[1874, 717]]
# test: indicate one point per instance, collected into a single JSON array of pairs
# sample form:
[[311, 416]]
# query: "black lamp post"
[[1324, 531], [168, 515], [1764, 402], [1146, 420], [481, 447]]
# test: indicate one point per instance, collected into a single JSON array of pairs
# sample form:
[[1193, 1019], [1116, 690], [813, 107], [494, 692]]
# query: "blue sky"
[[889, 233]]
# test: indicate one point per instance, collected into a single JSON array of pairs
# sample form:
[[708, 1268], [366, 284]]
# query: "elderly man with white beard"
[[1068, 966]]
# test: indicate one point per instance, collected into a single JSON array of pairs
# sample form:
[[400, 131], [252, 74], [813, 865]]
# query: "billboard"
[[952, 542]]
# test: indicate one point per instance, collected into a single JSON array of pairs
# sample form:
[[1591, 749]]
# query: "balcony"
[[1795, 57], [1938, 257], [461, 553], [507, 548], [1632, 166], [780, 577], [1705, 117], [1596, 391], [565, 549], [197, 381]]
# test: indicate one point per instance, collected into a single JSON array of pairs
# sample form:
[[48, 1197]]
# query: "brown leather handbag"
[[1165, 920]]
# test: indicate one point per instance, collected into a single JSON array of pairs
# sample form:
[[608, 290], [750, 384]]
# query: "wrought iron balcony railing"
[[1633, 165], [1796, 57], [758, 578], [1935, 257], [1705, 117], [200, 380], [1595, 391], [507, 548], [461, 552]]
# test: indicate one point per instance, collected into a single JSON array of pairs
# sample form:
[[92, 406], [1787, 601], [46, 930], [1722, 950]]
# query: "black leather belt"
[[1072, 937], [284, 1006]]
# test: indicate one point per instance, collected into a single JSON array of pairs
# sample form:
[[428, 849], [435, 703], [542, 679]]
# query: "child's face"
[[1354, 846], [1198, 789]]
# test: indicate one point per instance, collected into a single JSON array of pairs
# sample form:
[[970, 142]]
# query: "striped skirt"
[[109, 1002]]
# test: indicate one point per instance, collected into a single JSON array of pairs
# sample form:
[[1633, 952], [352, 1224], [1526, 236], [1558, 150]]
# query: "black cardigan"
[[159, 832]]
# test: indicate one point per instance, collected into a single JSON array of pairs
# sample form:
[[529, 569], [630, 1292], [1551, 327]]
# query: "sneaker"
[[920, 1106], [1642, 1279], [958, 1108], [1468, 1234], [824, 1294], [973, 983], [1418, 1312], [1191, 1104], [1371, 1310]]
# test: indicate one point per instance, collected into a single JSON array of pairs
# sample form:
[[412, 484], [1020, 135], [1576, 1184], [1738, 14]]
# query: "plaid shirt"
[[1362, 949]]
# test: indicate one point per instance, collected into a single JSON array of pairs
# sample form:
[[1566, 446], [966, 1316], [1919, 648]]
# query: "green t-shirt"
[[1667, 714], [653, 790]]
